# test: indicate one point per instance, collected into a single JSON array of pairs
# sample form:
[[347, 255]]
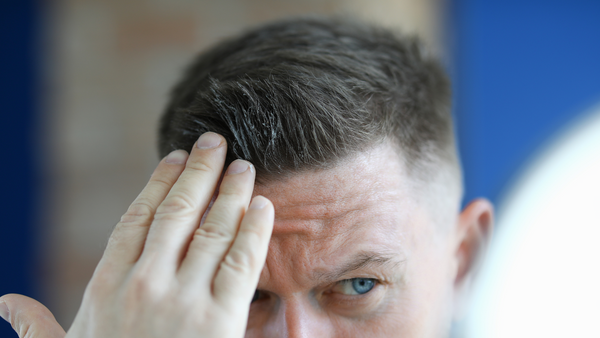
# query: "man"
[[358, 185]]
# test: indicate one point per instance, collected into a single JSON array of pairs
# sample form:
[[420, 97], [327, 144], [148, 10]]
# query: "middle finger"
[[179, 214]]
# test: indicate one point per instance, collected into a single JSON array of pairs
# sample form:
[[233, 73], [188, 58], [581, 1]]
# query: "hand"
[[161, 274]]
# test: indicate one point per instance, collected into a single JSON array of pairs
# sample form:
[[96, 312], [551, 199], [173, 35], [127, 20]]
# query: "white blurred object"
[[542, 275]]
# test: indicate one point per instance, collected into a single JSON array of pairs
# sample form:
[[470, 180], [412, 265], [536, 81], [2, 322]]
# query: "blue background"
[[522, 71], [19, 113]]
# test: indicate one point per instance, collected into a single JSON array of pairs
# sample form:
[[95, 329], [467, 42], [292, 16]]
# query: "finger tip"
[[177, 157], [260, 202]]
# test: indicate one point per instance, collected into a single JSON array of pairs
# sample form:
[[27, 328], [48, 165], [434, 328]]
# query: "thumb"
[[29, 318]]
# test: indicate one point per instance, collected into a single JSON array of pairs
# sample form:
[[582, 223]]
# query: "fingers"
[[240, 269], [212, 240], [127, 240], [29, 318], [178, 216]]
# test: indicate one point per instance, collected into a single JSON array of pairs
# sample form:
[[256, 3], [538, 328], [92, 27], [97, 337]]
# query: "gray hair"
[[304, 93]]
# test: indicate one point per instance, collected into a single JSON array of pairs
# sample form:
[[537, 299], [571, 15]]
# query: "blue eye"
[[362, 285], [355, 286]]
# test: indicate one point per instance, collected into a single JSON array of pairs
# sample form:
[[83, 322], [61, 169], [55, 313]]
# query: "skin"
[[164, 276], [362, 219]]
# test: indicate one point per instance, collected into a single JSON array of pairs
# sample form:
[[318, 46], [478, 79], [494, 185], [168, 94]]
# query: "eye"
[[355, 286]]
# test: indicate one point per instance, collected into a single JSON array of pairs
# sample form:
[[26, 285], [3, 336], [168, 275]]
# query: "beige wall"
[[110, 65]]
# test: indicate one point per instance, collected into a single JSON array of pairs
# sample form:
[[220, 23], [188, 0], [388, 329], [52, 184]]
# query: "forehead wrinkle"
[[324, 217], [322, 225], [319, 236], [312, 241], [317, 209], [322, 200]]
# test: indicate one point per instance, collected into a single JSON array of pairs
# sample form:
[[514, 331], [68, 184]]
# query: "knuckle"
[[140, 212], [232, 191], [238, 262], [179, 203], [141, 287], [212, 233], [200, 166], [252, 235], [158, 180]]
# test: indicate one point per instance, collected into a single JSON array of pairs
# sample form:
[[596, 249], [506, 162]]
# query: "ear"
[[472, 237]]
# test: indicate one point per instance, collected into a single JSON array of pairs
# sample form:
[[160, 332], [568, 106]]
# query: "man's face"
[[354, 254]]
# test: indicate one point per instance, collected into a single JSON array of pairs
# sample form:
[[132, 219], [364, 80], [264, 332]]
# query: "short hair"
[[304, 93]]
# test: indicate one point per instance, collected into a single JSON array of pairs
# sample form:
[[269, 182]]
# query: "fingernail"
[[177, 157], [258, 202], [237, 167], [4, 311], [208, 140]]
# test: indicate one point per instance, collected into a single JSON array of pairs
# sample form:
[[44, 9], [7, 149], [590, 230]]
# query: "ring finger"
[[212, 240]]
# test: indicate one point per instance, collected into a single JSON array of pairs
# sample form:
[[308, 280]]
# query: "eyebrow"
[[361, 261]]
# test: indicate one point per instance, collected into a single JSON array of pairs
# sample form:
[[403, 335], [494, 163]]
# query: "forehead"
[[357, 182], [364, 203]]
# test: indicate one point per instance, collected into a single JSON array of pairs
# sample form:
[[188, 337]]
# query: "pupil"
[[362, 285]]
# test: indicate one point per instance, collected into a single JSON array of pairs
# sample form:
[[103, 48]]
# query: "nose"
[[298, 318]]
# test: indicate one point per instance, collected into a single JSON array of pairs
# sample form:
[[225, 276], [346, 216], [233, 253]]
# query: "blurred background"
[[83, 82]]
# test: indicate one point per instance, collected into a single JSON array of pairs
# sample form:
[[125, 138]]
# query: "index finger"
[[127, 240]]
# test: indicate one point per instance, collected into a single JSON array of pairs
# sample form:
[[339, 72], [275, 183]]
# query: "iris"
[[362, 285]]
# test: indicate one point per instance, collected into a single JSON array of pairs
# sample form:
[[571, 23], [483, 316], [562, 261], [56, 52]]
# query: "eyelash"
[[353, 284], [375, 283]]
